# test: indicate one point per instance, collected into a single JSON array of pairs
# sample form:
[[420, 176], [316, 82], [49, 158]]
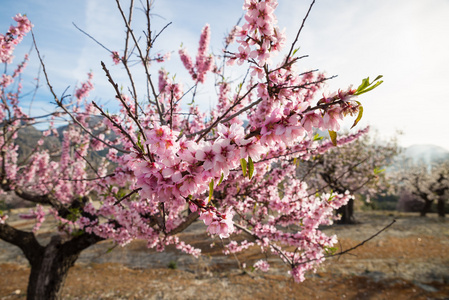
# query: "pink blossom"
[[262, 265], [331, 117], [116, 57], [251, 148], [206, 154]]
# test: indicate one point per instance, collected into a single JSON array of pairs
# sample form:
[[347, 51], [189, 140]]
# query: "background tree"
[[174, 164], [426, 183], [356, 166]]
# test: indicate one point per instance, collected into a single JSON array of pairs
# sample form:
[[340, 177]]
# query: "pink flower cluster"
[[162, 58], [86, 87], [116, 57], [204, 61], [13, 37], [259, 37], [262, 265]]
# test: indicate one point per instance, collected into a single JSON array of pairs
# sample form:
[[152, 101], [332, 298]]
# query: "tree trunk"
[[347, 213], [440, 207], [49, 264], [426, 208], [48, 273]]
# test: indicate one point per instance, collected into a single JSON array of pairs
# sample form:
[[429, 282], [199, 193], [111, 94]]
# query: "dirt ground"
[[410, 260]]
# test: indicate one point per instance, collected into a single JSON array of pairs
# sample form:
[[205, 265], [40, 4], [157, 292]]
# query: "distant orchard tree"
[[357, 166], [426, 183]]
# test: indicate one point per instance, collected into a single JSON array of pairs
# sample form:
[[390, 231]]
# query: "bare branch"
[[189, 220], [64, 108], [127, 196], [92, 38], [206, 131], [145, 64], [298, 33]]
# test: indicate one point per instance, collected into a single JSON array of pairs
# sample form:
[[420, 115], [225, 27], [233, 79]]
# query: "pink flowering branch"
[[173, 165]]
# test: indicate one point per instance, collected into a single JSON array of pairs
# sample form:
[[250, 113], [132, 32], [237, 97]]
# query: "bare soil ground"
[[410, 260]]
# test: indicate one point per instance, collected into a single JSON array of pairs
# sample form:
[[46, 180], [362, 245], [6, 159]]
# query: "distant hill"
[[427, 154], [28, 137]]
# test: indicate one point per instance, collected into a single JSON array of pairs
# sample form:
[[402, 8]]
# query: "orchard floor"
[[410, 260]]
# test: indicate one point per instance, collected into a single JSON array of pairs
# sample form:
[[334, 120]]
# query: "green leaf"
[[211, 189], [333, 136], [370, 88], [139, 142], [359, 117], [378, 77], [221, 179], [317, 137], [378, 171], [363, 85], [243, 164], [250, 167], [330, 250], [295, 160], [294, 52], [366, 85]]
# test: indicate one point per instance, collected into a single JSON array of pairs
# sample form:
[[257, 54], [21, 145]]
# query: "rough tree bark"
[[49, 264]]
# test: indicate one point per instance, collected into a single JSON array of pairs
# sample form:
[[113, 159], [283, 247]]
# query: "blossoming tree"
[[357, 166], [176, 164], [426, 184]]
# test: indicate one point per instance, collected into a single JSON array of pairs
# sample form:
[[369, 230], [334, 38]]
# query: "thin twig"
[[125, 105], [128, 26], [364, 242], [299, 31], [272, 245], [92, 38], [127, 196], [206, 131], [123, 131], [59, 103]]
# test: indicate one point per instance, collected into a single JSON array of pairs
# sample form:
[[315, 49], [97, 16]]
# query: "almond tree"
[[426, 183], [356, 166], [176, 164]]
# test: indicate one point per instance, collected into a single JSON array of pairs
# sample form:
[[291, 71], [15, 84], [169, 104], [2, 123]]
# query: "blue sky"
[[406, 41]]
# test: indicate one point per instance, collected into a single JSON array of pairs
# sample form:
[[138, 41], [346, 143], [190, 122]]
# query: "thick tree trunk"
[[426, 208], [49, 264], [347, 213], [48, 273], [440, 207]]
